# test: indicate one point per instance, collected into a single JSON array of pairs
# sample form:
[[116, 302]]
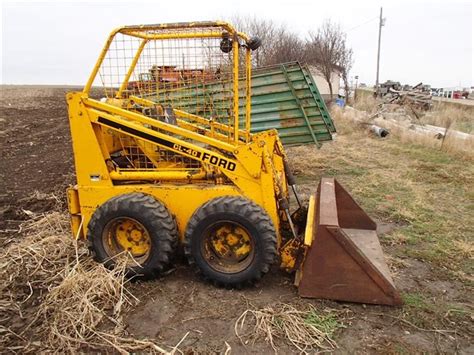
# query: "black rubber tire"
[[248, 214], [153, 215]]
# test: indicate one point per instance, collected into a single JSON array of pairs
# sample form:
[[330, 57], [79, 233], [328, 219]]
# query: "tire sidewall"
[[250, 272], [147, 268]]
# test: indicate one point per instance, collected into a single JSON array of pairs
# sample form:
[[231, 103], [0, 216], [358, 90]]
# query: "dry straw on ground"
[[72, 303], [306, 329]]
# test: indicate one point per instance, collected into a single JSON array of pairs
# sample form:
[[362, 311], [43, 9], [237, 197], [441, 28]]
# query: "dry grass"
[[402, 124], [72, 311], [308, 330], [426, 192], [38, 261], [450, 143], [53, 297], [455, 117], [28, 269], [365, 101]]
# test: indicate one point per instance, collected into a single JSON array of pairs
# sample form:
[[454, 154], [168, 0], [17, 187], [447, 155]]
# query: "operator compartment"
[[185, 77]]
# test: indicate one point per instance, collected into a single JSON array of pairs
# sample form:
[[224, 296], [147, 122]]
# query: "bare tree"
[[345, 63], [327, 51], [266, 30], [287, 47], [278, 44]]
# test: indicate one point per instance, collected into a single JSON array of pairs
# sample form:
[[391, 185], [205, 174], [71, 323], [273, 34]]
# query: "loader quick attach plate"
[[345, 260]]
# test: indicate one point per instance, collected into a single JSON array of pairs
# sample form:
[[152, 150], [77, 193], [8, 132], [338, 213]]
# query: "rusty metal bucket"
[[344, 260]]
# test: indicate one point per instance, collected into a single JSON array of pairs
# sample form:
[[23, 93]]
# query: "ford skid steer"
[[166, 158]]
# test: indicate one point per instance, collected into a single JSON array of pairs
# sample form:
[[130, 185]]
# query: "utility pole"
[[381, 23]]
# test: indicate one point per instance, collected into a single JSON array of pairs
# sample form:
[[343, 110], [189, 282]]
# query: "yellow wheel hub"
[[231, 242], [128, 234]]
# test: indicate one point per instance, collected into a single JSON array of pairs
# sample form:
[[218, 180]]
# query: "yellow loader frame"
[[249, 165]]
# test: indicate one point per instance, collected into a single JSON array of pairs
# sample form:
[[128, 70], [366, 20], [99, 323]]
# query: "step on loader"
[[165, 158]]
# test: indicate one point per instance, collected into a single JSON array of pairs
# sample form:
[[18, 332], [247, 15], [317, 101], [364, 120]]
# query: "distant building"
[[323, 85], [455, 92]]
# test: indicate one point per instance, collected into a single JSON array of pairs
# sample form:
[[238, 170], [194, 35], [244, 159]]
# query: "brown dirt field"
[[37, 156], [36, 149]]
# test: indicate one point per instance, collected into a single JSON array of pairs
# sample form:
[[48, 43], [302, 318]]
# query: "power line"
[[362, 24]]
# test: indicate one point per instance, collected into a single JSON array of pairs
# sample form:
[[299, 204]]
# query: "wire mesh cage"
[[187, 72], [193, 74]]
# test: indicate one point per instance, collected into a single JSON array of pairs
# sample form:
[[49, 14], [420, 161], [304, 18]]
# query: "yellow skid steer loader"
[[166, 158]]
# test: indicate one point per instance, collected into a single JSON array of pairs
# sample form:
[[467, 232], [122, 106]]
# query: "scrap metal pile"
[[418, 96]]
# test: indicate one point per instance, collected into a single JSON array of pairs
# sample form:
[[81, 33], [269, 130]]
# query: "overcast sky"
[[57, 42]]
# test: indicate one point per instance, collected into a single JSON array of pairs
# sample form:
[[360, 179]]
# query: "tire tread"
[[163, 225], [255, 214]]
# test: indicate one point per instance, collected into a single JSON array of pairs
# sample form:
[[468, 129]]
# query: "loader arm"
[[207, 125], [165, 135]]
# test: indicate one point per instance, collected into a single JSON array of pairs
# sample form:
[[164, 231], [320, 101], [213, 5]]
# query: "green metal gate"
[[284, 97]]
